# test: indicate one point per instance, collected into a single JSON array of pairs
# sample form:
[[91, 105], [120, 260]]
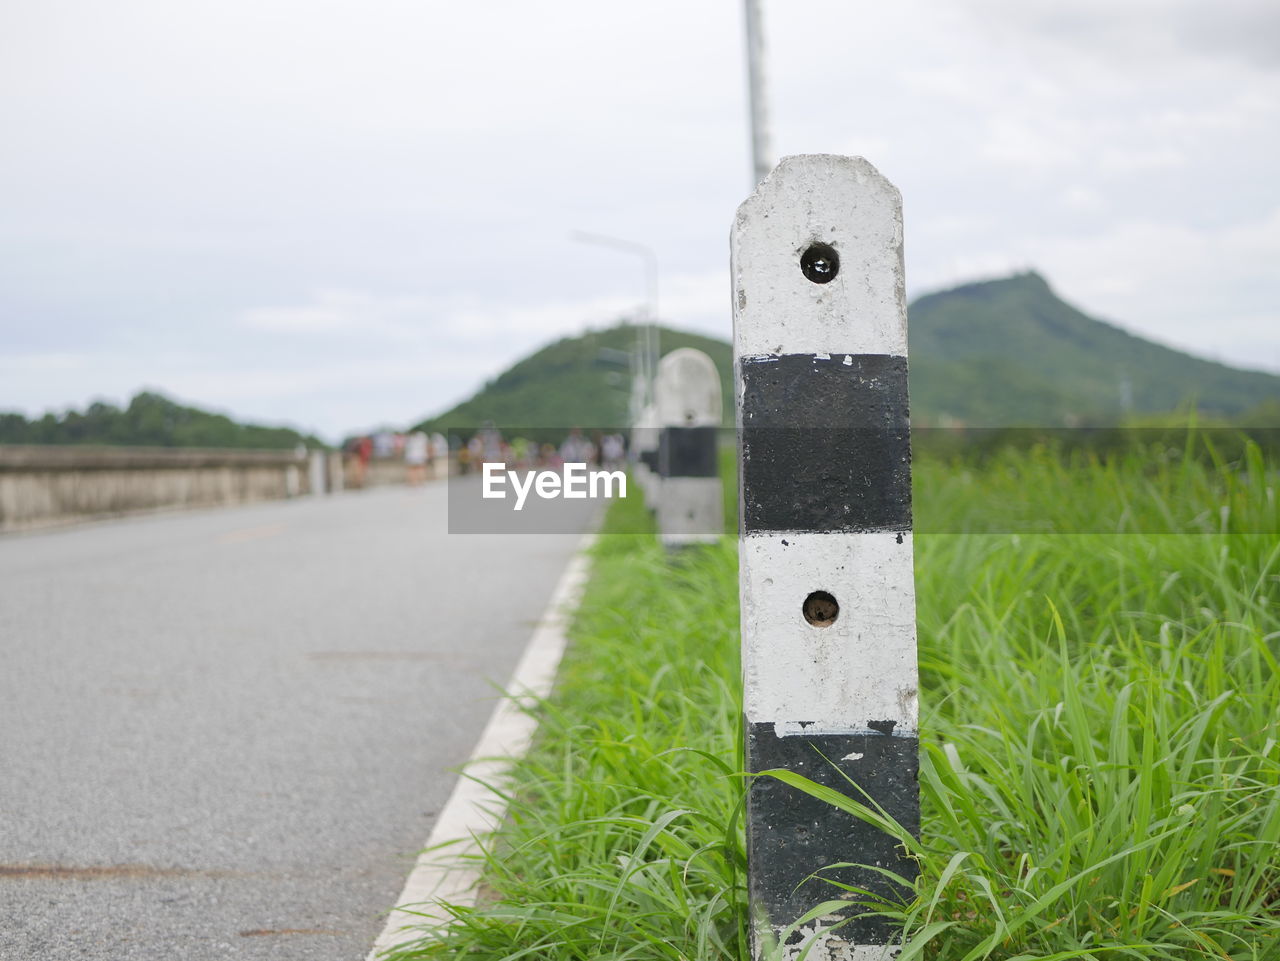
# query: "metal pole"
[[761, 154], [649, 331]]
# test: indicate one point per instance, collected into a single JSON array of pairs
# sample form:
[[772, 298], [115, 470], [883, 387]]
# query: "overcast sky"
[[340, 214]]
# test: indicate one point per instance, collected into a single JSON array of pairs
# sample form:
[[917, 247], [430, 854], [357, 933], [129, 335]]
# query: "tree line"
[[149, 420]]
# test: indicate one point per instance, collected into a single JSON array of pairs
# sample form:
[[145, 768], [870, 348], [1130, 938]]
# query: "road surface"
[[225, 734]]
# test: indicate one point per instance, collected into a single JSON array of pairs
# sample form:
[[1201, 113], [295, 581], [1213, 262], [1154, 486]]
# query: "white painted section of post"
[[863, 310], [689, 390], [862, 666], [690, 509]]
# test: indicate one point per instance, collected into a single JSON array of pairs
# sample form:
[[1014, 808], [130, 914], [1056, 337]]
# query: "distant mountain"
[[1012, 352], [580, 381], [150, 420], [997, 353]]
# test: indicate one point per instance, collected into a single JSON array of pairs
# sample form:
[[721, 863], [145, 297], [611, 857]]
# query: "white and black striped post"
[[828, 599], [690, 408], [635, 445], [645, 441]]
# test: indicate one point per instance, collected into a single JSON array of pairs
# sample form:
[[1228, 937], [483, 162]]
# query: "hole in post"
[[820, 609], [820, 263]]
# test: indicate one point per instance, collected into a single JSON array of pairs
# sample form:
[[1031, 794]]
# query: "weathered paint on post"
[[690, 409], [828, 598]]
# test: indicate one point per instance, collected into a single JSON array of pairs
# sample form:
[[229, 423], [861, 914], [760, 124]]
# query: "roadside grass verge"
[[1100, 769], [621, 838]]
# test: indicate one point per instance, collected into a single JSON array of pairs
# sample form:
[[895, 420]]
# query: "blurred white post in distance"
[[644, 447], [689, 410]]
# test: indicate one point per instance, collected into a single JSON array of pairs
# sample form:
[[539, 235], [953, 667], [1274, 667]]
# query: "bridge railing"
[[42, 486]]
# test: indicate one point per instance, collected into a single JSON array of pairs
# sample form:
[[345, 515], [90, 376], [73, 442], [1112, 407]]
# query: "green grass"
[[1100, 770]]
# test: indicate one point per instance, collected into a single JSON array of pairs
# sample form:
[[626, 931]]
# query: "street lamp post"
[[761, 159], [648, 348]]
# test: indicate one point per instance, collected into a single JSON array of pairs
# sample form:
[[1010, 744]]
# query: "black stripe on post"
[[826, 443], [799, 836], [688, 452]]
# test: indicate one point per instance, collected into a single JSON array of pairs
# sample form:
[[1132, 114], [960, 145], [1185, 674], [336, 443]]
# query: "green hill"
[[580, 381], [150, 420], [1012, 352], [997, 353]]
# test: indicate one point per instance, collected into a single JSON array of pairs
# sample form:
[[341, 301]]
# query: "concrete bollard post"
[[635, 443], [827, 594], [316, 461], [644, 441], [689, 407]]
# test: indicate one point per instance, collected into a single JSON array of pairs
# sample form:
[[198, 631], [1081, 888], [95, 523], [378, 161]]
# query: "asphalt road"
[[225, 734]]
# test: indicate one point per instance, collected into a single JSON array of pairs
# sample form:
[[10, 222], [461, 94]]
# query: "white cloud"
[[368, 213], [300, 320], [1208, 290], [1083, 199], [1142, 31], [1130, 159]]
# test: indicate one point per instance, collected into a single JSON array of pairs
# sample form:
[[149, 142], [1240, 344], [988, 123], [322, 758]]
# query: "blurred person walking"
[[612, 451], [361, 449], [576, 449]]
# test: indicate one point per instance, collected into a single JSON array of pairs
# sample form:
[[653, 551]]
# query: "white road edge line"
[[474, 809]]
